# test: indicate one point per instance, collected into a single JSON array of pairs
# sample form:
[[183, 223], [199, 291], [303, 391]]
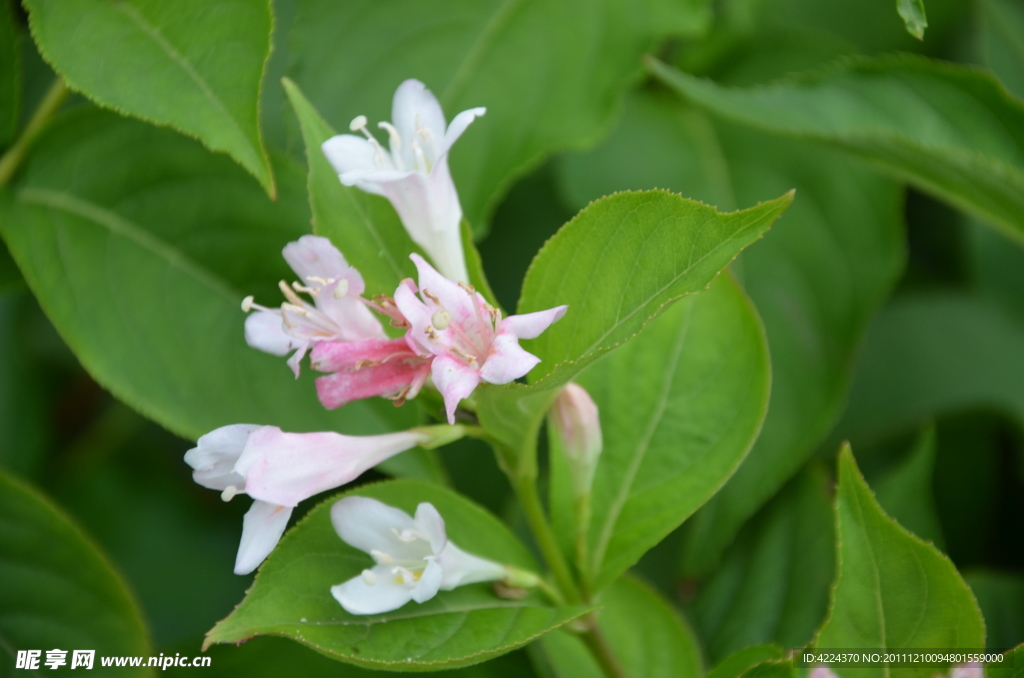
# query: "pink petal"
[[389, 379], [312, 255], [507, 360], [285, 468], [419, 316], [295, 361], [354, 320], [459, 124], [453, 298], [532, 325], [454, 380], [264, 331], [333, 356]]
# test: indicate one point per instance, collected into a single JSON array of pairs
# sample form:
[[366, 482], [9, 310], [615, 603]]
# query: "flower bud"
[[575, 421]]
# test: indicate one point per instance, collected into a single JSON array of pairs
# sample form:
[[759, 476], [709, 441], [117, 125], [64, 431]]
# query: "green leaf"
[[10, 74], [905, 491], [571, 58], [773, 584], [845, 218], [364, 227], [24, 418], [185, 64], [291, 595], [59, 591], [591, 265], [1002, 41], [741, 661], [646, 635], [1013, 667], [894, 111], [680, 407], [930, 356], [1001, 599], [141, 264], [892, 591], [912, 13]]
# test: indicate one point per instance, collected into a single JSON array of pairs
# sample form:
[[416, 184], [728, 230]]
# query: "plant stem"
[[51, 101], [526, 489], [598, 646]]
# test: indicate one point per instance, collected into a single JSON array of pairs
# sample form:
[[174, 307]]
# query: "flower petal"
[[419, 316], [453, 298], [264, 331], [431, 525], [416, 106], [532, 325], [262, 528], [459, 124], [370, 525], [354, 320], [462, 568], [385, 595], [315, 256], [332, 356], [286, 468], [429, 583], [215, 454], [348, 152], [454, 380], [386, 380], [507, 360]]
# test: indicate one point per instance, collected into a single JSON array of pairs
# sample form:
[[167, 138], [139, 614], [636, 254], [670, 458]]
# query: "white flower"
[[414, 173], [414, 557], [337, 313], [278, 470]]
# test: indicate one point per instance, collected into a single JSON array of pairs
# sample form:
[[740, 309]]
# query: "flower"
[[278, 470], [373, 367], [414, 557], [574, 418], [338, 313], [467, 337], [968, 670], [414, 173]]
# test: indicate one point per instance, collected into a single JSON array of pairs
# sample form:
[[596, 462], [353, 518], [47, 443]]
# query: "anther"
[[369, 577], [441, 319], [381, 557], [229, 493], [358, 123], [294, 309], [341, 289], [469, 289], [393, 136], [429, 295], [407, 536], [289, 293], [247, 303]]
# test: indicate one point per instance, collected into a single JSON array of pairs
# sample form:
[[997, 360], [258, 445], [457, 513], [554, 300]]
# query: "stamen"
[[469, 289], [407, 536], [247, 303], [459, 352], [318, 280], [294, 309], [441, 319], [399, 398], [229, 493], [427, 293], [369, 577], [358, 123], [289, 293], [311, 291], [341, 289], [393, 136], [420, 159], [381, 557]]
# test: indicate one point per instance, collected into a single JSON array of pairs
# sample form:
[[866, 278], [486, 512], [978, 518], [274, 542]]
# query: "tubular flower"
[[414, 557], [575, 419], [413, 174], [337, 313], [469, 340], [278, 470]]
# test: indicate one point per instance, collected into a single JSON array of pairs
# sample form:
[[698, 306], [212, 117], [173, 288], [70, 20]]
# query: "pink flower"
[[363, 369], [278, 470], [413, 174], [467, 337], [337, 313]]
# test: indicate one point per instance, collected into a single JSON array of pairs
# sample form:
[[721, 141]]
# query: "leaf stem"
[[526, 489], [602, 651], [51, 101]]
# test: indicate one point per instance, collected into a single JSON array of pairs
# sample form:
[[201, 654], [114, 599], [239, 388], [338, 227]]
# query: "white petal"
[[315, 256], [215, 454], [358, 597], [429, 583], [453, 298], [347, 152], [431, 525], [414, 105], [507, 361], [458, 126], [355, 321], [262, 528], [264, 331], [462, 568], [532, 325], [370, 525]]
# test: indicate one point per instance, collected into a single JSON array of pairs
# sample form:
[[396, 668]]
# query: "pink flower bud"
[[575, 420]]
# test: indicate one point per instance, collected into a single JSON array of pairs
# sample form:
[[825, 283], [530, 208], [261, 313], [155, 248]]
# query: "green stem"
[[52, 100], [582, 555], [598, 646], [526, 489]]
